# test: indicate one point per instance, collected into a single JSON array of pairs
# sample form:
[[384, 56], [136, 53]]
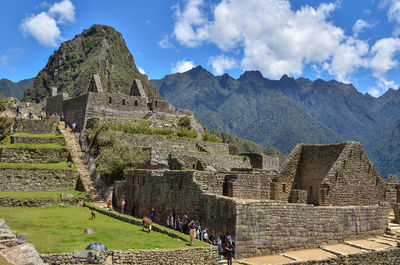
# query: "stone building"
[[99, 103], [336, 174]]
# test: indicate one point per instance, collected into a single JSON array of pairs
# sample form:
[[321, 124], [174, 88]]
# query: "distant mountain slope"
[[100, 49], [248, 146], [245, 108], [282, 113], [10, 89], [386, 150]]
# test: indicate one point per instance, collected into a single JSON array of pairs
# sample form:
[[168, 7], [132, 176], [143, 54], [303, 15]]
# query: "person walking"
[[228, 251], [153, 214], [123, 204]]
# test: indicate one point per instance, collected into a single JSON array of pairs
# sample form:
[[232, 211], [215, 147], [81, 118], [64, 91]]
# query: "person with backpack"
[[231, 245]]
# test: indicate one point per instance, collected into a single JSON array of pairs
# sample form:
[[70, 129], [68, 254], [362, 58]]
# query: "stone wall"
[[186, 160], [353, 180], [48, 125], [283, 184], [37, 179], [13, 202], [265, 227], [33, 155], [389, 256], [36, 140], [175, 191], [314, 165], [194, 255], [75, 110], [336, 174], [396, 210], [174, 143], [262, 161], [54, 104]]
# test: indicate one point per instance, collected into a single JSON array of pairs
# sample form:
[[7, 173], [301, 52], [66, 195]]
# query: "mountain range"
[[282, 113], [9, 88]]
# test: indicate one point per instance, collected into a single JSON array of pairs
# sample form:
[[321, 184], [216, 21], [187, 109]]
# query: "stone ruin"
[[322, 194]]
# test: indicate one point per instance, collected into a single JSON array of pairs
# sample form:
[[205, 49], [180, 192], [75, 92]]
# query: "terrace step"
[[78, 158]]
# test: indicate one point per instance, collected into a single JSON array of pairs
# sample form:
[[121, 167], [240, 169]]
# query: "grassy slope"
[[60, 229], [55, 145], [53, 195], [60, 165], [46, 135]]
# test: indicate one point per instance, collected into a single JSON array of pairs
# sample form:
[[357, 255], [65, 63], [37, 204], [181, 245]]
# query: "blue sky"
[[350, 41]]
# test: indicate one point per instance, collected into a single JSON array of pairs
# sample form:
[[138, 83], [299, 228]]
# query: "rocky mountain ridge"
[[97, 50]]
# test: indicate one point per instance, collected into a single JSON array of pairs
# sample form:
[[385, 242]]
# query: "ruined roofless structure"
[[99, 103]]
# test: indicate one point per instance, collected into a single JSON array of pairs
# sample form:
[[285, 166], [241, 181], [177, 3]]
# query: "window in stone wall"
[[283, 187], [351, 153], [344, 164], [336, 176], [377, 181], [123, 102], [156, 102], [136, 102], [109, 100], [360, 155], [369, 168], [171, 186], [143, 181]]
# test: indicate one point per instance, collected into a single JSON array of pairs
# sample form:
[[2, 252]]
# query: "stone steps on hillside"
[[78, 158]]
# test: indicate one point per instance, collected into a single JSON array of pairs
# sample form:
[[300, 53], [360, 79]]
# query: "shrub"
[[185, 122], [113, 159], [185, 132], [209, 137]]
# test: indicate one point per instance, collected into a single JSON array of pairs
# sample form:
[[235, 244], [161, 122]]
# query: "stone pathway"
[[324, 252], [78, 158]]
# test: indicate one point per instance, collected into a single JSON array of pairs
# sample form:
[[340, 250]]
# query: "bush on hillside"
[[185, 122], [185, 132], [209, 137], [113, 159]]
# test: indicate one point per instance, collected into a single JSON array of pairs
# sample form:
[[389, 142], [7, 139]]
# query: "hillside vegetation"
[[98, 50]]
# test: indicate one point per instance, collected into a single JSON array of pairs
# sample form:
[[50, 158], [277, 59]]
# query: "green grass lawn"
[[46, 135], [53, 145], [60, 165], [60, 229], [54, 195]]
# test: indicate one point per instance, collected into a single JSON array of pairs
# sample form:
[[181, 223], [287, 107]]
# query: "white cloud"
[[44, 26], [393, 13], [275, 39], [360, 25], [221, 62], [271, 37], [141, 70], [10, 55], [182, 66], [64, 11], [165, 42], [374, 92]]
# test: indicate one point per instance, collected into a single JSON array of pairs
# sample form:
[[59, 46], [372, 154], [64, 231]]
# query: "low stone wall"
[[36, 140], [33, 155], [190, 160], [48, 125], [137, 221], [174, 143], [13, 202], [381, 257], [192, 256], [37, 179], [265, 227]]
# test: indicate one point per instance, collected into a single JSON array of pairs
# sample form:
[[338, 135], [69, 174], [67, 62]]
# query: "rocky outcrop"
[[99, 50]]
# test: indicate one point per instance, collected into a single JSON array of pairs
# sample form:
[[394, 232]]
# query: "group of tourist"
[[226, 245]]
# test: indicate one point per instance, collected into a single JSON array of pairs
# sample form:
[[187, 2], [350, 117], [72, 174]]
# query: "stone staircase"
[[78, 158]]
